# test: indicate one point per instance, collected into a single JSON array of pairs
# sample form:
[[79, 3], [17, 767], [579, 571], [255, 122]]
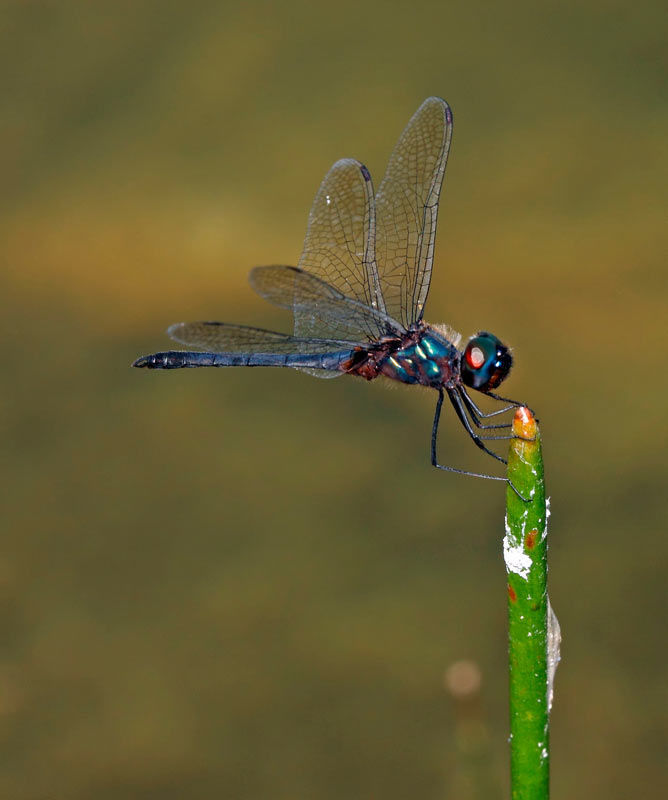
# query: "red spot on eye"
[[530, 539], [475, 357], [512, 594]]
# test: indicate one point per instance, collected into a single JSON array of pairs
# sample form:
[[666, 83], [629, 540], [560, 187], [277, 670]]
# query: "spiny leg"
[[434, 458], [460, 411], [459, 406], [485, 414], [515, 403], [477, 413]]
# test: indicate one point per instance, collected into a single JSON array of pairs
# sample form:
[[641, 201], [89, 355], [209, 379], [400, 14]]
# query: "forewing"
[[407, 208], [339, 247], [221, 337], [321, 310]]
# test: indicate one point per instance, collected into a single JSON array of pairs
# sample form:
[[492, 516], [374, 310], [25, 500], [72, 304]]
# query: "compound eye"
[[486, 362]]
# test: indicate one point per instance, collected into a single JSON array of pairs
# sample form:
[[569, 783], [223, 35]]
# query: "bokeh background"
[[250, 584]]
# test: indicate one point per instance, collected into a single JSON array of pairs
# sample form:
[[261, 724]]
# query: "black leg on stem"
[[476, 413], [484, 415], [515, 403], [459, 410], [434, 458]]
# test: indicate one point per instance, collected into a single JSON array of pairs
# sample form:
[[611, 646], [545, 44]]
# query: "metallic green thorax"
[[430, 360]]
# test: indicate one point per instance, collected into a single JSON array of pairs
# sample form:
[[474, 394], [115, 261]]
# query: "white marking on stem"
[[517, 561]]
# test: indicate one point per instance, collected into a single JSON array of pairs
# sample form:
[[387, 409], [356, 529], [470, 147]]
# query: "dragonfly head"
[[486, 362]]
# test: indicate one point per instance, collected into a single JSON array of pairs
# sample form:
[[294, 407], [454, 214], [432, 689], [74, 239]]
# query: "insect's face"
[[486, 362]]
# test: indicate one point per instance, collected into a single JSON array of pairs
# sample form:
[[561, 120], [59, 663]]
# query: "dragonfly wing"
[[221, 337], [339, 247], [407, 208], [320, 309]]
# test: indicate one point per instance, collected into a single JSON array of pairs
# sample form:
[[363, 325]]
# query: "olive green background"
[[249, 584]]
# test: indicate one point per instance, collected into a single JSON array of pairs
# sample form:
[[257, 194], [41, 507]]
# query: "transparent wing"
[[321, 310], [339, 247], [407, 208], [221, 337]]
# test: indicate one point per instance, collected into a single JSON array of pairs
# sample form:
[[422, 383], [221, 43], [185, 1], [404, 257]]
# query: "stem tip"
[[524, 423]]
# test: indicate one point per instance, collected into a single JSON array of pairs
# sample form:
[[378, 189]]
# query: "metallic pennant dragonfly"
[[359, 291]]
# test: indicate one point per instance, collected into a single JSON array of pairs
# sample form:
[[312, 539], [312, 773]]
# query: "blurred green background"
[[249, 584]]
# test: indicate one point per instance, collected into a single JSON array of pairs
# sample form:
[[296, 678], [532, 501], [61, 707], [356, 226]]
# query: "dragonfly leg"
[[477, 413], [515, 403], [434, 458], [461, 413], [481, 426]]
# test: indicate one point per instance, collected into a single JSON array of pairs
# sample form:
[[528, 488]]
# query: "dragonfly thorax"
[[422, 356], [427, 358]]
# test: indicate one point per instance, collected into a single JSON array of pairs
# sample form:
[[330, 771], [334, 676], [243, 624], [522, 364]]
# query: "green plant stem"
[[525, 552]]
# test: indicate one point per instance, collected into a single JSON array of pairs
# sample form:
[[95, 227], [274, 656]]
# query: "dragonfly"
[[359, 291]]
